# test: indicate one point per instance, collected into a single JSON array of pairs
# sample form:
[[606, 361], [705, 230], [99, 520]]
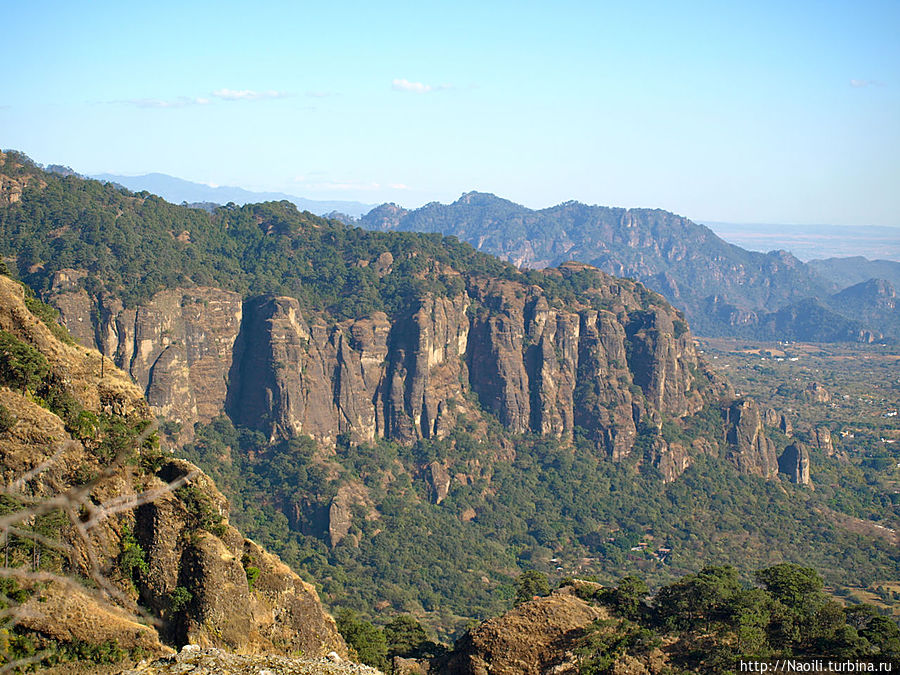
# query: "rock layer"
[[613, 367]]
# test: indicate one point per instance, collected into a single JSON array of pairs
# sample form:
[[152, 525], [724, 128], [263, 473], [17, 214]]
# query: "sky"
[[778, 112]]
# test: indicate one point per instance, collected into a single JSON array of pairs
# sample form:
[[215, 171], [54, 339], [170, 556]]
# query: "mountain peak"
[[475, 198]]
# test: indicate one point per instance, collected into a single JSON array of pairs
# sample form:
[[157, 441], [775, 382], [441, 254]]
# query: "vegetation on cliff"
[[562, 510], [715, 621], [134, 245], [113, 549]]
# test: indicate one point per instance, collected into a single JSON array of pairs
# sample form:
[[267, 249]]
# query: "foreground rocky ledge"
[[193, 659]]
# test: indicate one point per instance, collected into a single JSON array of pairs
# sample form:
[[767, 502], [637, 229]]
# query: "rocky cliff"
[[150, 531], [749, 447], [177, 347], [295, 325], [609, 365], [794, 462]]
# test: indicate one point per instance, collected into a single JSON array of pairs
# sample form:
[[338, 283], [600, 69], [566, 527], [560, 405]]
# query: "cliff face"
[[189, 574], [794, 462], [177, 347], [533, 363], [749, 448]]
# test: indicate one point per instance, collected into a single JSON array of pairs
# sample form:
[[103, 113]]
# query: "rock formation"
[[784, 425], [749, 448], [536, 365], [531, 639], [822, 437], [816, 393], [194, 575], [794, 462]]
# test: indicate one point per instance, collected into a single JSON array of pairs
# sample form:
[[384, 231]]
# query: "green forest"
[[558, 509]]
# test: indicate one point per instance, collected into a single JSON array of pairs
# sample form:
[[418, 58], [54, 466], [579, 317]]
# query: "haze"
[[741, 112]]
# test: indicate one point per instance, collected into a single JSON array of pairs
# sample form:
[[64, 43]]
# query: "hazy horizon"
[[765, 113]]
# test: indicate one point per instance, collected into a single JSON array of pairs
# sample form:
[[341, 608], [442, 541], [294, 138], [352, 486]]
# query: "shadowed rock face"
[[535, 364], [794, 462]]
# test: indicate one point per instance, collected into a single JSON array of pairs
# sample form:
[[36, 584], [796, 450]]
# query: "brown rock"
[[784, 425], [178, 346], [794, 462], [536, 366], [672, 459], [439, 479], [66, 612], [340, 513], [749, 448], [185, 534], [822, 436], [527, 640], [816, 393]]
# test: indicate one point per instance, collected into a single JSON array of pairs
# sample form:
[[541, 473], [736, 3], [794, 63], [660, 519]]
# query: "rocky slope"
[[385, 336], [435, 382], [73, 440], [536, 637]]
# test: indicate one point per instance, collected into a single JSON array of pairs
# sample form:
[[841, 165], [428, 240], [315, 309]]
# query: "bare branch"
[[84, 517], [128, 503]]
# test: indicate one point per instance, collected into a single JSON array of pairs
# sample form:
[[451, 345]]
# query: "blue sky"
[[732, 111]]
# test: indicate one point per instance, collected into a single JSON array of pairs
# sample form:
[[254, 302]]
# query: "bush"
[[7, 419], [530, 584], [21, 365]]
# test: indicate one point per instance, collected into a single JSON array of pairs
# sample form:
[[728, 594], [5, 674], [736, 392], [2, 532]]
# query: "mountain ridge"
[[686, 262]]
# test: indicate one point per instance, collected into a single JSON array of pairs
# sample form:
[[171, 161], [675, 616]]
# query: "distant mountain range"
[[178, 190], [724, 289]]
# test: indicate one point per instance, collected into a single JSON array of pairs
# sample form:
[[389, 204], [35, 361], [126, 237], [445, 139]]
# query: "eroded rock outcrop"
[[816, 393], [822, 438], [614, 366], [794, 462], [749, 448], [193, 565], [530, 639]]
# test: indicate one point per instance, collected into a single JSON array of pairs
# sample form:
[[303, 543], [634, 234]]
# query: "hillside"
[[686, 262], [413, 422], [711, 622], [114, 549]]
